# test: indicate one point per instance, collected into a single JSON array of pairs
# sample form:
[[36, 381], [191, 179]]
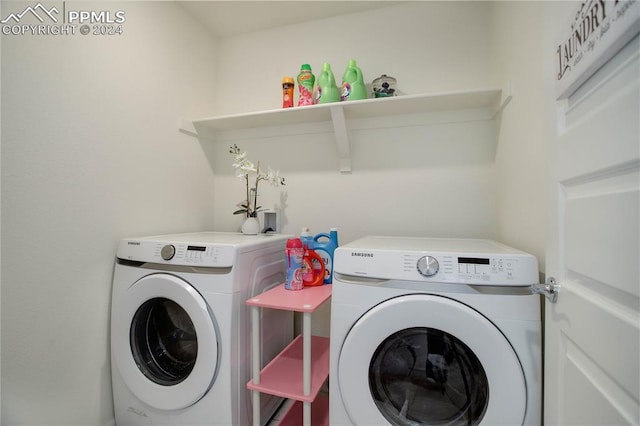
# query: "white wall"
[[520, 161], [90, 154], [428, 46], [413, 180]]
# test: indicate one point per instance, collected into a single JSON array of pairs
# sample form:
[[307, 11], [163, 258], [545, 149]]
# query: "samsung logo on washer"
[[361, 254]]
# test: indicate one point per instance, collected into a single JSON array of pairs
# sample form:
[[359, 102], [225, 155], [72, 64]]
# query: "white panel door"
[[592, 337]]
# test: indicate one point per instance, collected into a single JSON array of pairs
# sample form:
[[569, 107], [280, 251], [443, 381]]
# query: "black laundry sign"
[[597, 31]]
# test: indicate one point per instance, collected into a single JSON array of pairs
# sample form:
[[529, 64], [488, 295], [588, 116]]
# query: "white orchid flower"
[[243, 164], [269, 175], [273, 177], [244, 168], [247, 166], [239, 158]]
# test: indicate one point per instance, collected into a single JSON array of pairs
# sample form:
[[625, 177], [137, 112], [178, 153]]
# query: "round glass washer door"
[[166, 342], [429, 360]]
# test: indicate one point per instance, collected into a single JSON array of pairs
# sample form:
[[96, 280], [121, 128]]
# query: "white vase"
[[251, 226]]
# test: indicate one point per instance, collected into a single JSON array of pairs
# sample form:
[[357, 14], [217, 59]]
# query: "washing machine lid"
[[464, 261], [165, 342], [202, 249], [426, 359]]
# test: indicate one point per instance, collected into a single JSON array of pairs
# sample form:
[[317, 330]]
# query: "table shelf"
[[283, 375], [300, 370], [319, 413], [307, 300]]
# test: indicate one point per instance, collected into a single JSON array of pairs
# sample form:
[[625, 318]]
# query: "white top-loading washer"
[[434, 331], [180, 328]]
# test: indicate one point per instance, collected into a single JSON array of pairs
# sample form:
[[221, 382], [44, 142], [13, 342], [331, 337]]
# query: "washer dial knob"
[[168, 252], [428, 266]]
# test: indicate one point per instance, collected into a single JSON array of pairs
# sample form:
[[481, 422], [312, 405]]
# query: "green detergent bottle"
[[353, 87], [326, 90]]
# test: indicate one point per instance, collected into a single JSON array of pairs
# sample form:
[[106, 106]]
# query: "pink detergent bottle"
[[306, 80], [294, 253]]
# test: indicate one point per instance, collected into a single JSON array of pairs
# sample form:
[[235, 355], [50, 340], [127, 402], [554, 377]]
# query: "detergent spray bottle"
[[325, 244], [306, 238]]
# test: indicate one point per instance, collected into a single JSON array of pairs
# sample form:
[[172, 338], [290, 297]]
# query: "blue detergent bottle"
[[325, 244], [307, 238]]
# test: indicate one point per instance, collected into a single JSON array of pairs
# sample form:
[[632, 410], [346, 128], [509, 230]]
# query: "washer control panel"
[[476, 270], [177, 253], [196, 255], [476, 262]]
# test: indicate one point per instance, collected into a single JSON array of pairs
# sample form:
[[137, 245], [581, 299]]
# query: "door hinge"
[[549, 289]]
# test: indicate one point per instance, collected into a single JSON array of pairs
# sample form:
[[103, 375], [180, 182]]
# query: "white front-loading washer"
[[180, 330], [429, 331]]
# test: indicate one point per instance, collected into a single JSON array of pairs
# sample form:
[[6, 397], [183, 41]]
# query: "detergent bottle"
[[287, 92], [325, 244], [326, 90], [306, 79], [313, 265], [313, 269], [295, 257], [306, 238], [353, 87]]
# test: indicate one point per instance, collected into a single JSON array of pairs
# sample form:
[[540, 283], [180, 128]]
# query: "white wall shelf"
[[339, 114]]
